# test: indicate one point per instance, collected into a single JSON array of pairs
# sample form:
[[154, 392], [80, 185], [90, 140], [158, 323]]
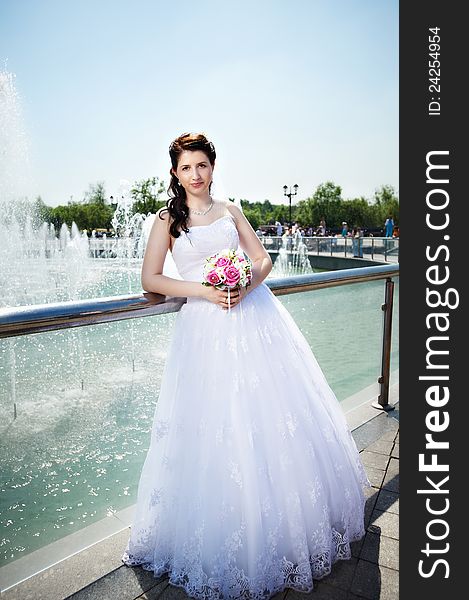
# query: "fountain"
[[292, 258]]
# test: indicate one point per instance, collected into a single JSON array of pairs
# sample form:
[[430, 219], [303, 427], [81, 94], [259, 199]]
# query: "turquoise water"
[[86, 397]]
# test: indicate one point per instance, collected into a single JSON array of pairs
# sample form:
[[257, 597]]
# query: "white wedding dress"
[[252, 482]]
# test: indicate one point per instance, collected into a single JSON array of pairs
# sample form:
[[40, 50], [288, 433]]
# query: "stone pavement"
[[372, 573]]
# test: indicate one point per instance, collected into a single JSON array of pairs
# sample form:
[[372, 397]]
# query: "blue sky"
[[301, 92]]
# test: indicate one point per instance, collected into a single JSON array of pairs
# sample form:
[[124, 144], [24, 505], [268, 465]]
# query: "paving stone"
[[375, 582], [388, 501], [386, 523], [322, 591], [395, 451], [381, 447], [391, 482], [390, 435], [356, 547], [121, 584], [375, 476], [393, 465], [372, 459], [157, 592], [294, 595], [369, 508], [280, 595], [371, 495], [370, 492], [173, 592], [290, 594], [381, 550], [373, 430], [342, 574]]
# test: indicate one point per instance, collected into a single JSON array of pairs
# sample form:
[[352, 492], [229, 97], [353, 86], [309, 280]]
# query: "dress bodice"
[[191, 249]]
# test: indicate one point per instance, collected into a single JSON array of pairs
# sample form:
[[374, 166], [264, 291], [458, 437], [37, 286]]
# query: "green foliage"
[[386, 203], [263, 213], [150, 194], [327, 202], [96, 194], [147, 195], [86, 216]]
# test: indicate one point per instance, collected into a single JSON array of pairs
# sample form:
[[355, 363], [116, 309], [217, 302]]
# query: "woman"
[[252, 483], [389, 226]]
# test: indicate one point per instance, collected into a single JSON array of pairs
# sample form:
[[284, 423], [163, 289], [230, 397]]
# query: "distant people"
[[259, 232], [287, 239], [322, 226], [344, 229], [279, 227], [389, 226], [357, 243]]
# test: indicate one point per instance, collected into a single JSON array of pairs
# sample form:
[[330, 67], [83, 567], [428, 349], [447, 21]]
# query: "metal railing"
[[374, 248], [25, 320]]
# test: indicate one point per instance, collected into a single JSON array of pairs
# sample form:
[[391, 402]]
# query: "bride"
[[252, 482]]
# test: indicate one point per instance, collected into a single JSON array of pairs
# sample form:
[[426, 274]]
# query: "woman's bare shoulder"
[[164, 212], [233, 210]]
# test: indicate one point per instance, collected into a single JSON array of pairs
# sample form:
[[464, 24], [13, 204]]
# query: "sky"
[[298, 92]]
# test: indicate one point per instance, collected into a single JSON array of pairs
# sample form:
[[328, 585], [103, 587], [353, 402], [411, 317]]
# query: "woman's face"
[[194, 172]]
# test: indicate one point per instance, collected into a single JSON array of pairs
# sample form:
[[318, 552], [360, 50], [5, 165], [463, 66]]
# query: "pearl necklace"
[[202, 212]]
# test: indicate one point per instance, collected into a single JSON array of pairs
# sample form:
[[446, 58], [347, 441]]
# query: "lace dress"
[[252, 482]]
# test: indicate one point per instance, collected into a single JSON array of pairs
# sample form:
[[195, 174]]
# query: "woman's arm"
[[152, 278], [250, 243]]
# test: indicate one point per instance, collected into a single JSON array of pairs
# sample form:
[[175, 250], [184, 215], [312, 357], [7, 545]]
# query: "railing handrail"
[[39, 318]]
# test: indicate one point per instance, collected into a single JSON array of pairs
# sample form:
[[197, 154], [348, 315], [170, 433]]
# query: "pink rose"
[[232, 276], [222, 261], [213, 278]]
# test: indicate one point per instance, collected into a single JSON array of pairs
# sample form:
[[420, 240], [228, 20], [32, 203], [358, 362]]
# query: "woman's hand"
[[220, 297]]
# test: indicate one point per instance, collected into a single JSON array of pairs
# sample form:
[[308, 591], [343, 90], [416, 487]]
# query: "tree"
[[326, 202], [86, 216], [387, 203], [328, 197], [254, 216], [146, 194], [96, 193], [384, 195], [357, 212], [41, 211]]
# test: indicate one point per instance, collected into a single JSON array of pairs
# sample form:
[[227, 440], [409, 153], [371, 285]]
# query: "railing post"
[[372, 248], [383, 398]]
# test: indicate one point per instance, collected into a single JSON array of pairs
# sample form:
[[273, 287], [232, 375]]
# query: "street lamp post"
[[289, 195]]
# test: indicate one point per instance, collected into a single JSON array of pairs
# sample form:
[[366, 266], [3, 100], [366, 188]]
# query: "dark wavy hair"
[[176, 203]]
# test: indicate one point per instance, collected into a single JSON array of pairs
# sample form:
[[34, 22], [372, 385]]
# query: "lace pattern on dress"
[[274, 573]]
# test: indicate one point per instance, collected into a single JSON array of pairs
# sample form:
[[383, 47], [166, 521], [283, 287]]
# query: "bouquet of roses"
[[228, 269]]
